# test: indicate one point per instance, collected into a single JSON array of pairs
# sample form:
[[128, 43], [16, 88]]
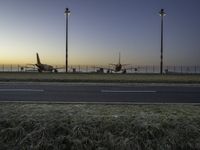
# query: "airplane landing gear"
[[124, 71], [39, 70]]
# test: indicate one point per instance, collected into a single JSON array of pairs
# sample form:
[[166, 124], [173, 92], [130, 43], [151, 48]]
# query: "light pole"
[[162, 13], [67, 12]]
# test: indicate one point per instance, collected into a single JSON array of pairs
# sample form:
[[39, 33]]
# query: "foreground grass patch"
[[94, 77], [99, 127]]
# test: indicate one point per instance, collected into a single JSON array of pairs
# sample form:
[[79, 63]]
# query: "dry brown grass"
[[99, 127], [92, 77]]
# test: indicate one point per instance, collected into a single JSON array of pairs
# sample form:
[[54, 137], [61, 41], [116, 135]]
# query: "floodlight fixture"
[[67, 12], [162, 13]]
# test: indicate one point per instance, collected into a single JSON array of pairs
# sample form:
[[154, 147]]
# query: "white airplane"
[[41, 67], [117, 68], [44, 67]]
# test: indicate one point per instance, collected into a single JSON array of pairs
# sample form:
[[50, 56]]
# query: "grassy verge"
[[99, 127], [92, 77]]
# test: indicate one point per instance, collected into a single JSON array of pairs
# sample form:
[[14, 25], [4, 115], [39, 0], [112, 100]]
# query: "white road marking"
[[98, 103], [115, 91], [21, 90]]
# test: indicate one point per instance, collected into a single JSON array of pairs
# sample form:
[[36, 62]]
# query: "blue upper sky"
[[99, 30]]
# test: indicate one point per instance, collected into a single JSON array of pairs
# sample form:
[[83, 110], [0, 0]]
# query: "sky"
[[98, 31]]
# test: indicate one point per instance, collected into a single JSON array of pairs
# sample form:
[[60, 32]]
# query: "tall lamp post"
[[162, 14], [67, 12]]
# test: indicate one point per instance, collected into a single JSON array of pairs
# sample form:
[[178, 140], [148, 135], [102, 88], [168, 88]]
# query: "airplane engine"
[[124, 71], [108, 71], [39, 70]]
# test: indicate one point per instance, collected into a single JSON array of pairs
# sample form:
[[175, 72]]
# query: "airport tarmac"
[[98, 93]]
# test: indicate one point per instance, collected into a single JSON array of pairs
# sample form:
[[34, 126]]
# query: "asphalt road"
[[119, 93]]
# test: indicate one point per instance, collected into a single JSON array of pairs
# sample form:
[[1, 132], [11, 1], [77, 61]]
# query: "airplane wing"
[[30, 64], [63, 67], [29, 67], [58, 67], [125, 64], [132, 68], [101, 69], [112, 64]]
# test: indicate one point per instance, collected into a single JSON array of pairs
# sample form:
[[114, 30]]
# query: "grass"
[[99, 127], [94, 77]]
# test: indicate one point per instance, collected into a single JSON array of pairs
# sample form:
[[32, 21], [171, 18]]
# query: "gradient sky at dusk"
[[99, 30]]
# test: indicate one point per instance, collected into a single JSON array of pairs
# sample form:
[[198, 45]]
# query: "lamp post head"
[[162, 13], [67, 12]]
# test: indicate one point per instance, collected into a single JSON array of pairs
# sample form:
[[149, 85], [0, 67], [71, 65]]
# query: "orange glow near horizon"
[[96, 37]]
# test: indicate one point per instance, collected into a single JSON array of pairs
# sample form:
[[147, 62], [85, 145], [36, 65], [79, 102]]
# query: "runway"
[[99, 93]]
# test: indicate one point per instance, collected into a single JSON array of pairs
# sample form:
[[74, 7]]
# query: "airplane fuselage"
[[44, 67], [118, 67]]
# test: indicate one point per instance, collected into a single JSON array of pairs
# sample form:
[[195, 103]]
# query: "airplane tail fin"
[[119, 58], [38, 59]]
